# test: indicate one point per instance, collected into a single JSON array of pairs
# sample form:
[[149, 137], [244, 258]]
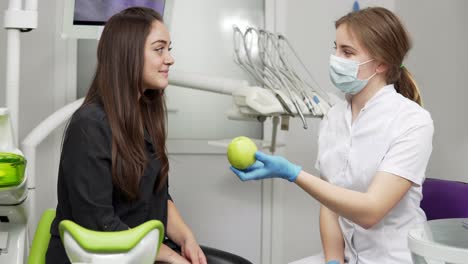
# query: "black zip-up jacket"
[[85, 191]]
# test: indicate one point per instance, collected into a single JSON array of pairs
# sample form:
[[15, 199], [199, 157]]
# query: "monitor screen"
[[84, 19], [97, 12]]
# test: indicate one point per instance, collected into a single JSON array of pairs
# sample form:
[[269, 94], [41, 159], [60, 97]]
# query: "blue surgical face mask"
[[343, 74]]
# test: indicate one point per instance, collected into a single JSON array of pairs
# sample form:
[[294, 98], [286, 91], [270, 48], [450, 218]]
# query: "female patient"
[[373, 148], [113, 172]]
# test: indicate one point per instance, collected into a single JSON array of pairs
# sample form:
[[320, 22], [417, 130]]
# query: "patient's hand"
[[192, 251], [174, 259], [178, 259], [168, 256]]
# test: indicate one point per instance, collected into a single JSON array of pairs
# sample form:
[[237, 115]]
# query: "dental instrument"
[[262, 55], [255, 71], [270, 67]]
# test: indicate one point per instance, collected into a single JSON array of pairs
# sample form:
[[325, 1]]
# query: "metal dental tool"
[[264, 56]]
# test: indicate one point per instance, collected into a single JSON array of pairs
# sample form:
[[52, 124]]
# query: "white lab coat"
[[391, 134]]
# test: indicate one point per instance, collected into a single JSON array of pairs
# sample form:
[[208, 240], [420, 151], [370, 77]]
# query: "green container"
[[12, 168]]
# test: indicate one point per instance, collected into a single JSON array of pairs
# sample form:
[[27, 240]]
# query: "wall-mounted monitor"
[[85, 19]]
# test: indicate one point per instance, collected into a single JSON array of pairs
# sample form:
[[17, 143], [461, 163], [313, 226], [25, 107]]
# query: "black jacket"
[[85, 191]]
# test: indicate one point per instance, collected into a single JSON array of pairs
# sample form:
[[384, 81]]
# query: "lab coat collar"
[[380, 95]]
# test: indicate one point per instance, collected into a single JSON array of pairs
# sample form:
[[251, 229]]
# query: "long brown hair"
[[385, 38], [118, 86]]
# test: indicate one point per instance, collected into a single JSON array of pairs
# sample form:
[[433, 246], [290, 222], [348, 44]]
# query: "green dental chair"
[[136, 245], [41, 238]]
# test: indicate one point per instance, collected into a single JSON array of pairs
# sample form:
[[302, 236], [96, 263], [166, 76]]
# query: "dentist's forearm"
[[364, 208], [355, 206], [330, 233]]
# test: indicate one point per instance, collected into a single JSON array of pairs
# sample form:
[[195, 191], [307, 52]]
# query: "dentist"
[[373, 148]]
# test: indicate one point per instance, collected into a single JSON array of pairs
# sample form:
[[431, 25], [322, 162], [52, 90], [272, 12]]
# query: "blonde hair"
[[382, 34]]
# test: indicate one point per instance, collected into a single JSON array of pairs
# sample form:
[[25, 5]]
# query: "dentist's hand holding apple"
[[250, 164]]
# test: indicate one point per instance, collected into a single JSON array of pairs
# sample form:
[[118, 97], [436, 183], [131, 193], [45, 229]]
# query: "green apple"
[[241, 152]]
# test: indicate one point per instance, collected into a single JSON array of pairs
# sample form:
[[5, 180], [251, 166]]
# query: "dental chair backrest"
[[444, 199], [137, 245], [41, 239]]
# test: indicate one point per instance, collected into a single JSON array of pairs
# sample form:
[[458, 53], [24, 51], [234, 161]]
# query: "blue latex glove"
[[333, 262], [268, 166]]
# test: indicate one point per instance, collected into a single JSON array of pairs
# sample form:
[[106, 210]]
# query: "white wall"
[[438, 61], [202, 43]]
